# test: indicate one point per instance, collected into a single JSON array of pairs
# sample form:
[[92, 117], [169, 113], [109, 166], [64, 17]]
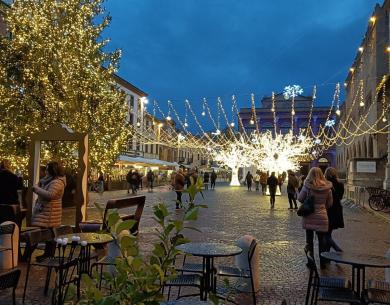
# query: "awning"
[[146, 161]]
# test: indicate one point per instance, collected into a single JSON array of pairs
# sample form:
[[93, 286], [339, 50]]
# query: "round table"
[[359, 262], [186, 302], [90, 237], [209, 250]]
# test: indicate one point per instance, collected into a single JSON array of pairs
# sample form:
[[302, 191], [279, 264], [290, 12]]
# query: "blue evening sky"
[[178, 49]]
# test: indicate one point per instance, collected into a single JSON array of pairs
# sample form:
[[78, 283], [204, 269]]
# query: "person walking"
[[213, 179], [128, 179], [335, 212], [320, 190], [100, 183], [248, 180], [256, 179], [272, 183], [47, 212], [206, 179], [292, 187], [8, 184], [179, 182], [263, 182], [280, 182], [150, 179]]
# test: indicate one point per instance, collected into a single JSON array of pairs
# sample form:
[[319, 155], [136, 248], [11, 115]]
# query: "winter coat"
[[263, 178], [47, 211], [206, 177], [272, 182], [256, 178], [335, 212], [292, 184], [317, 221], [179, 182], [213, 176], [249, 178], [8, 187]]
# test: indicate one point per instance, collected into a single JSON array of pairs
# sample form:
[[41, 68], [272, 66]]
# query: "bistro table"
[[92, 239], [209, 250], [359, 262], [186, 302]]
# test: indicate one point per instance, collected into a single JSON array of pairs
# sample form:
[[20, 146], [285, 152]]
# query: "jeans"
[[257, 185], [212, 184], [291, 199], [321, 244], [264, 188], [272, 193], [178, 198], [249, 184], [330, 243]]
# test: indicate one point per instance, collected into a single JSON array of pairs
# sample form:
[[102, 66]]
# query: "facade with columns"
[[364, 98], [302, 108]]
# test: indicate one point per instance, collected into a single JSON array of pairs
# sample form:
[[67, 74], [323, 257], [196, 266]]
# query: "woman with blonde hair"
[[335, 212], [320, 190]]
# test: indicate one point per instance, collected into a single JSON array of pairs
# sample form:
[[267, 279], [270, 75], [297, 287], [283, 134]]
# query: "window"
[[131, 118], [131, 102]]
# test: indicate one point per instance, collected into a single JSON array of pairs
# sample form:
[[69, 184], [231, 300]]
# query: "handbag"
[[307, 207]]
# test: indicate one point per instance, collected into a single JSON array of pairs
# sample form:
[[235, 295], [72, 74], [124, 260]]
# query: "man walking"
[[249, 179], [150, 179], [179, 182], [272, 183], [213, 178], [292, 187]]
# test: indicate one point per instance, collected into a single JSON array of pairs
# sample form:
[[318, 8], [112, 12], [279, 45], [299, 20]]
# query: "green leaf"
[[192, 214], [113, 218], [125, 225], [178, 225]]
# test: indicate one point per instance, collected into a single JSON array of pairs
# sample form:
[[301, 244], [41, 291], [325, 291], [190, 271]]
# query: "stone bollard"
[[387, 271], [241, 262], [5, 241]]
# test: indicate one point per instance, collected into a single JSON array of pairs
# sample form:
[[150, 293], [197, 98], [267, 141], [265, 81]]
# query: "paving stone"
[[234, 212]]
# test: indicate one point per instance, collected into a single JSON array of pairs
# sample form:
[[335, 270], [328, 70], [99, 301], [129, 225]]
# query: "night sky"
[[178, 49]]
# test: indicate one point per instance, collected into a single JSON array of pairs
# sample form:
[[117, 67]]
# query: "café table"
[[208, 251], [359, 263], [186, 302]]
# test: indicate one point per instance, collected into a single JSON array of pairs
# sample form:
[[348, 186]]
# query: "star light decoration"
[[292, 91]]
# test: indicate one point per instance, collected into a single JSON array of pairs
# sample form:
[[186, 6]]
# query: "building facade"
[[284, 123], [363, 99]]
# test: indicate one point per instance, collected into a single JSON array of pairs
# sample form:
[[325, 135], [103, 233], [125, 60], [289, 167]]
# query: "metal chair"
[[234, 272], [10, 279], [8, 229], [186, 280], [317, 292], [377, 292], [33, 239]]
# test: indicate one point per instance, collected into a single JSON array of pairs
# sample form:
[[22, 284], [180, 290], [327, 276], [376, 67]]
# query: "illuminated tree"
[[279, 153], [234, 156], [54, 70]]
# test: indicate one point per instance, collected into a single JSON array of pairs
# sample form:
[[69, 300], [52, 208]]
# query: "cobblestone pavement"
[[233, 212]]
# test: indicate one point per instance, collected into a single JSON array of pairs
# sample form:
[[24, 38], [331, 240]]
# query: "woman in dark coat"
[[335, 212]]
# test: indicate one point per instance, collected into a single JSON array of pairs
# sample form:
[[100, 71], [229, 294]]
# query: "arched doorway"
[[323, 164]]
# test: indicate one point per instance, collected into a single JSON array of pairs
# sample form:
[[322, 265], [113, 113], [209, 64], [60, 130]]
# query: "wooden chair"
[[119, 204], [10, 279], [8, 229]]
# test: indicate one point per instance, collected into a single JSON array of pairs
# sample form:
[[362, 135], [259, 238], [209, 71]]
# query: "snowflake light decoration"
[[292, 91], [330, 123]]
